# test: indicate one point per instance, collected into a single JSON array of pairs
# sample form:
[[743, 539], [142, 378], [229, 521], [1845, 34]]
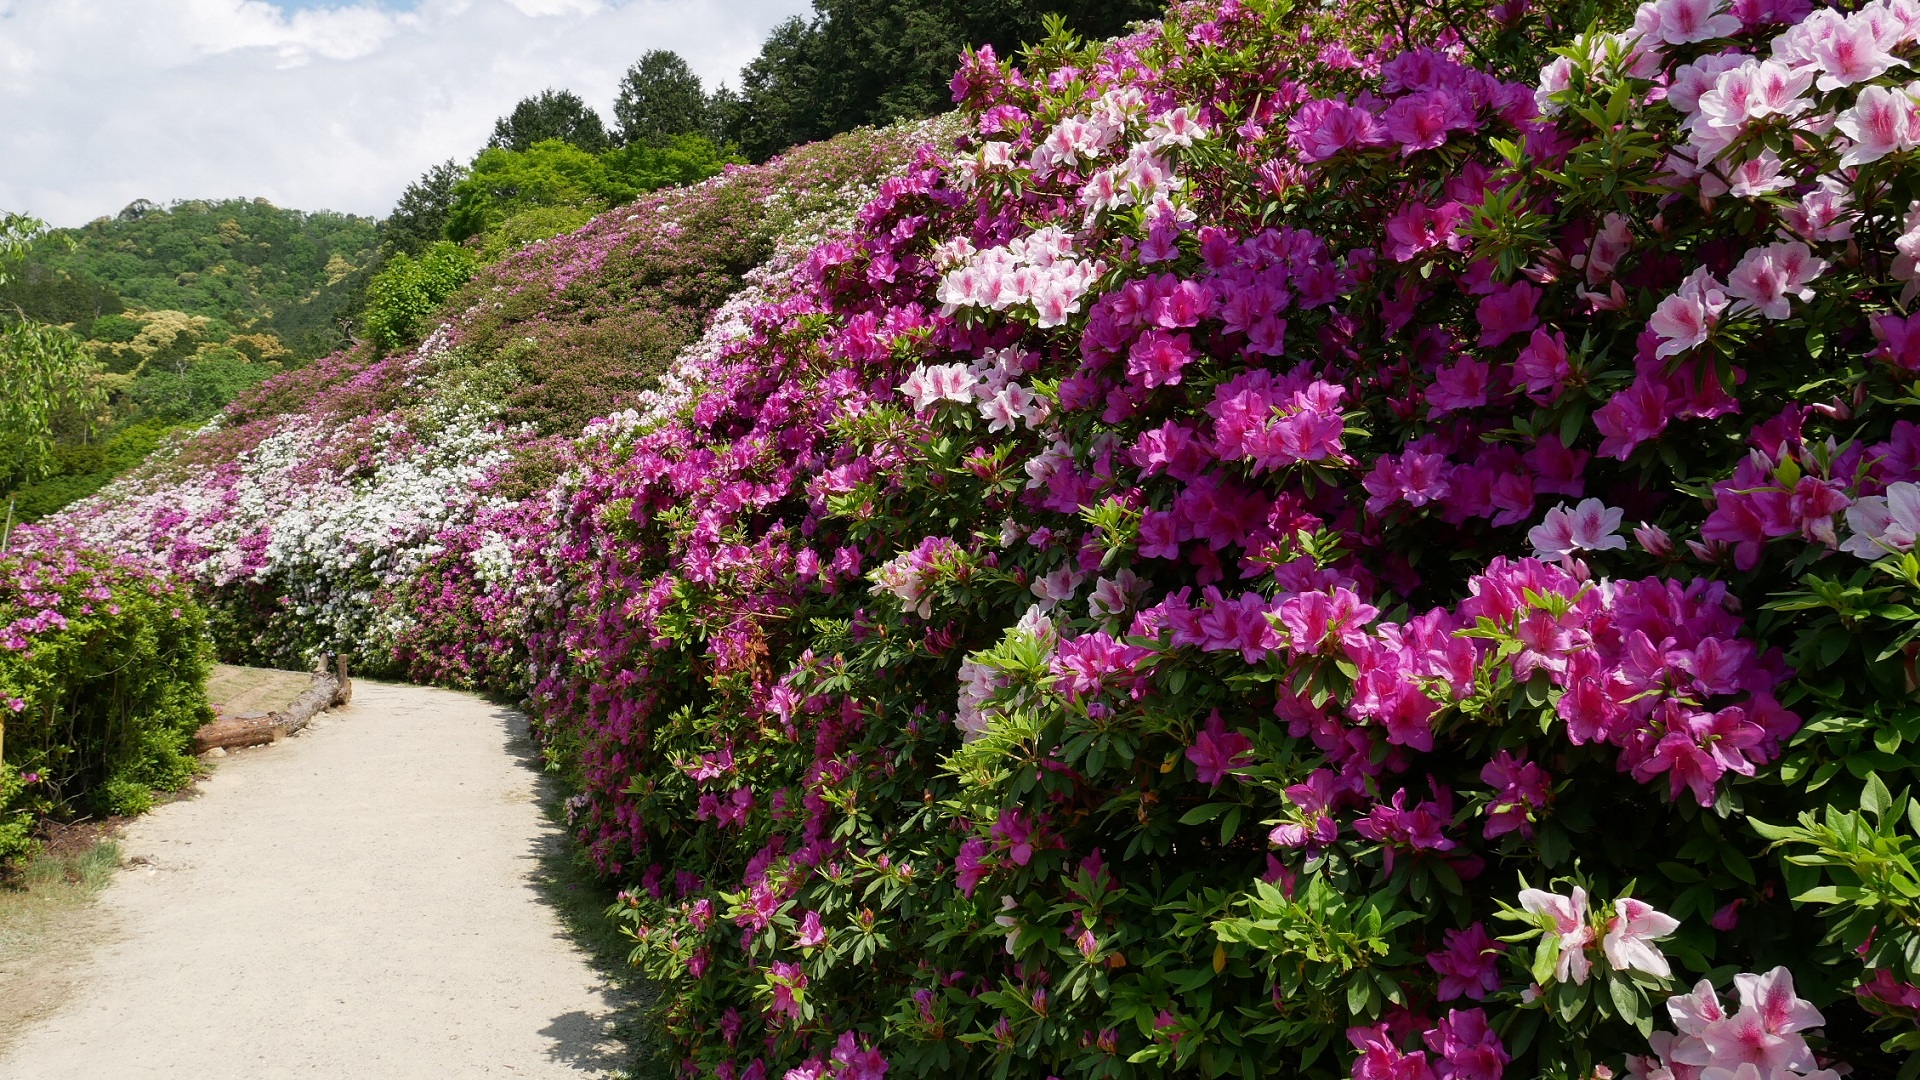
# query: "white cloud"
[[107, 101]]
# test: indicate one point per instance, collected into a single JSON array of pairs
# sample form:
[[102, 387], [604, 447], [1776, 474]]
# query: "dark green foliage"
[[198, 391], [420, 217], [61, 297], [100, 713], [243, 261], [79, 470], [874, 61], [660, 97], [408, 290], [550, 114]]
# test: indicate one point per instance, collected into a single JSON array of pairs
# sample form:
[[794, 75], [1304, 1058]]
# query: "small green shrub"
[[409, 289]]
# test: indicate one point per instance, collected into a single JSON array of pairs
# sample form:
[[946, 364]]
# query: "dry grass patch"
[[47, 926]]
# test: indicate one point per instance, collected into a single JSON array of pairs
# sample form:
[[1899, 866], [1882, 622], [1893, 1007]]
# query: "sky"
[[311, 104]]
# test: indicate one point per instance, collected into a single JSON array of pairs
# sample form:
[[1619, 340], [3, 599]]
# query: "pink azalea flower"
[[1507, 312], [1899, 339], [1769, 278], [1321, 129], [1764, 1033], [971, 865], [1543, 366], [1313, 801], [1467, 1047], [1630, 936], [1016, 831], [1157, 357], [1460, 385], [1824, 215], [1380, 1056], [857, 1062], [1414, 478], [1469, 966], [1683, 22], [812, 934], [1319, 622], [1684, 319], [1607, 248], [1217, 752], [1881, 122], [1565, 918], [1757, 176], [1590, 526], [1631, 417], [1521, 787], [1416, 227], [1691, 81], [1846, 50], [789, 982], [1423, 120], [1884, 524]]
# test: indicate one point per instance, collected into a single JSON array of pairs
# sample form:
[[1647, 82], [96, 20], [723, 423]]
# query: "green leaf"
[[1359, 994], [1546, 957], [1204, 813], [1626, 1000], [1875, 799]]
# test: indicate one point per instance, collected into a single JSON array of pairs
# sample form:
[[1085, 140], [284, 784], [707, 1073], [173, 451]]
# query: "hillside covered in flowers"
[[1336, 541]]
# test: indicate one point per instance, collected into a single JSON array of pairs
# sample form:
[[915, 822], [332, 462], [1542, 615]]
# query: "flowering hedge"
[[103, 670], [1304, 540], [311, 513]]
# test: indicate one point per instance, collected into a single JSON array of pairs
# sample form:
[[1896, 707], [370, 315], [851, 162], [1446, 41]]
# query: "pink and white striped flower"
[[1685, 319], [1881, 122], [1590, 526], [1769, 278]]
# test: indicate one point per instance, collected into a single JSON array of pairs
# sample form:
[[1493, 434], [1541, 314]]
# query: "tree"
[[550, 114], [50, 381], [420, 217], [875, 61], [660, 97], [47, 371], [557, 176]]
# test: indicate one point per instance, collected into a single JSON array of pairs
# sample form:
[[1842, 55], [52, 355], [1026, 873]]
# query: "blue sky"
[[313, 104]]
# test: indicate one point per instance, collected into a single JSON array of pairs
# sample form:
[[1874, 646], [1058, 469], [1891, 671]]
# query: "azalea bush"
[[310, 514], [1341, 541], [103, 671], [1296, 544]]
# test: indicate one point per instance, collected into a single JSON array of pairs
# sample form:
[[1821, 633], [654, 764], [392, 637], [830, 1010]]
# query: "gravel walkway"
[[357, 901]]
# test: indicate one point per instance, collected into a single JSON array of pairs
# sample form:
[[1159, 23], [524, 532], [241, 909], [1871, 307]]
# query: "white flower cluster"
[[302, 511]]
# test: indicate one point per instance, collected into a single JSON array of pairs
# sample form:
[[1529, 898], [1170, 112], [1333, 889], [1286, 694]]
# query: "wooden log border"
[[330, 688]]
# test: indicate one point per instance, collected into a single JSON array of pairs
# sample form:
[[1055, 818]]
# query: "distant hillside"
[[184, 307], [244, 263]]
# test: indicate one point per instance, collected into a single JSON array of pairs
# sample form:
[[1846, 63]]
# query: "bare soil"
[[243, 691]]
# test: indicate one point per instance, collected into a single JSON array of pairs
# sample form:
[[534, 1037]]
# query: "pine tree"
[[551, 114]]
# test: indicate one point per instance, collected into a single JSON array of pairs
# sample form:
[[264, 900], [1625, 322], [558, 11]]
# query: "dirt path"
[[360, 900]]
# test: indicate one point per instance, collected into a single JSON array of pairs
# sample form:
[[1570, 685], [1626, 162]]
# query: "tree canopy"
[[875, 61], [503, 184], [420, 217], [551, 114], [660, 97], [245, 262]]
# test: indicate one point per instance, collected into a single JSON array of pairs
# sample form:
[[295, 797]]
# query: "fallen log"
[[228, 733], [325, 691]]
